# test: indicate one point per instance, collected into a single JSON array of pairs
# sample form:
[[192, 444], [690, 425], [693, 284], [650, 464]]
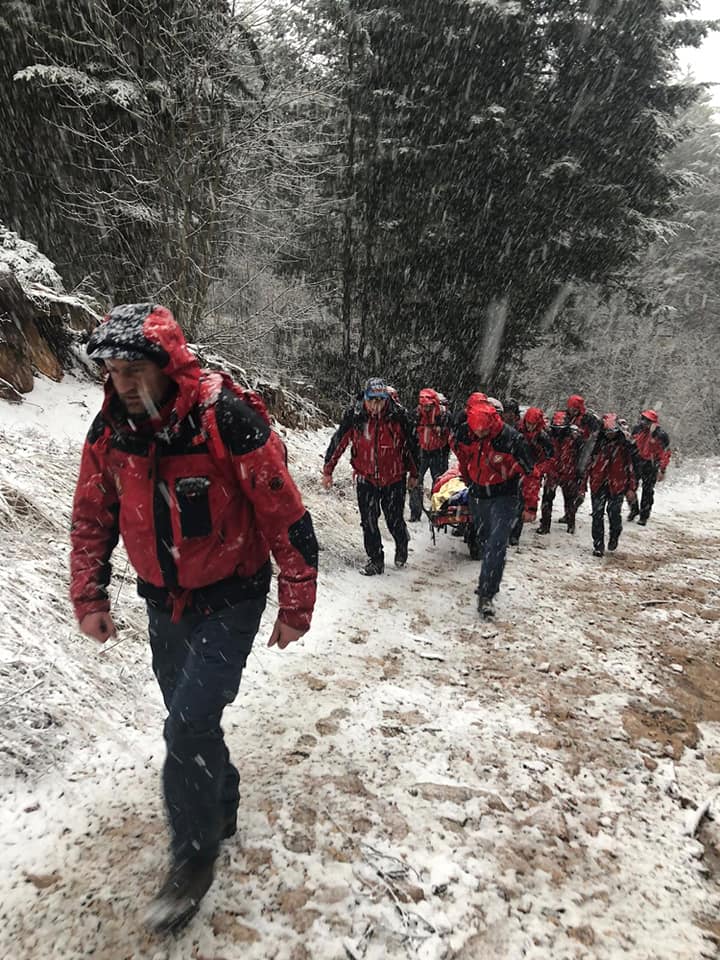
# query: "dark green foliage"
[[120, 127], [490, 155], [653, 344]]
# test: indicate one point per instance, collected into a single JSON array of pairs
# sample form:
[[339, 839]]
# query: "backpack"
[[211, 384]]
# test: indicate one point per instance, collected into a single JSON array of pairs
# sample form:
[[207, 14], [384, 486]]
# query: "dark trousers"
[[518, 523], [570, 492], [647, 476], [436, 462], [494, 516], [612, 502], [391, 500], [198, 663]]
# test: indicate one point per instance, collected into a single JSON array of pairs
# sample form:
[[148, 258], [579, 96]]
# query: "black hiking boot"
[[634, 512], [543, 528], [642, 522], [562, 519], [486, 608], [571, 526], [599, 552], [400, 559], [514, 541], [229, 827], [372, 568], [178, 900], [612, 543], [484, 605]]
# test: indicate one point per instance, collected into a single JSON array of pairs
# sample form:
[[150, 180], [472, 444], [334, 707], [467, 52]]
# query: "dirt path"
[[417, 784]]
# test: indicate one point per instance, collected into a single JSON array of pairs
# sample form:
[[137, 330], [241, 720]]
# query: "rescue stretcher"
[[449, 509]]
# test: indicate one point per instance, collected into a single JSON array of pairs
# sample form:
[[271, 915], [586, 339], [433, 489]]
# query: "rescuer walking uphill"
[[562, 471], [433, 436], [652, 447], [492, 458], [184, 466], [612, 477], [383, 454]]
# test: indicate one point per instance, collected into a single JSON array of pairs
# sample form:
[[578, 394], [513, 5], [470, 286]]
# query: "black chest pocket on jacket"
[[193, 499]]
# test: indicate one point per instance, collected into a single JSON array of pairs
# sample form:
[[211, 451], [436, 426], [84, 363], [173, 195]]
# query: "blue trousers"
[[198, 663], [495, 517]]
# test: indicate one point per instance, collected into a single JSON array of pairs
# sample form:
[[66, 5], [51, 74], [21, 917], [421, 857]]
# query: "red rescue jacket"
[[562, 468], [198, 514], [431, 424], [542, 450], [612, 465], [653, 446], [383, 449], [493, 465]]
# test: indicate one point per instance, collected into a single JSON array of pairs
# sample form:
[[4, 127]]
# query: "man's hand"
[[529, 516], [327, 480], [283, 635], [99, 626], [661, 476], [412, 482]]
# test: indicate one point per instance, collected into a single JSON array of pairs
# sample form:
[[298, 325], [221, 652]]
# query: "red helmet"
[[576, 402], [650, 415], [535, 417], [474, 398], [559, 419]]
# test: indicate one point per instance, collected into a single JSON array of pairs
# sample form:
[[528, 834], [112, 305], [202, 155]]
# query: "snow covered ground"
[[415, 783]]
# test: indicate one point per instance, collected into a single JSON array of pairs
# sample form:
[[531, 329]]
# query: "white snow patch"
[[391, 805]]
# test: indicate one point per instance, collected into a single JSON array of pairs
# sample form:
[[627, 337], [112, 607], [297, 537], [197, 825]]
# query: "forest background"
[[521, 197]]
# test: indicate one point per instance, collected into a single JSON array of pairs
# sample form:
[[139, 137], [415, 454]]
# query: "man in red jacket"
[[384, 453], [653, 453], [587, 422], [194, 480], [588, 425], [533, 426], [492, 458], [562, 471], [612, 477], [433, 436]]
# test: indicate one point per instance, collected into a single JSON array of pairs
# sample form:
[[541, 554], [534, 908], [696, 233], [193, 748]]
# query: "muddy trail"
[[416, 783]]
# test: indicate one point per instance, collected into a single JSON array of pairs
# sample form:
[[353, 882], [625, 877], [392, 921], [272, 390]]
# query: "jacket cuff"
[[297, 619], [82, 609]]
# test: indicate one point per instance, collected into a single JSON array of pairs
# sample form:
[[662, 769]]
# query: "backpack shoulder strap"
[[211, 386]]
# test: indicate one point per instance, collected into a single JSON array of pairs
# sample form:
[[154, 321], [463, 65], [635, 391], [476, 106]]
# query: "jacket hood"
[[482, 416], [147, 331], [576, 402], [534, 417]]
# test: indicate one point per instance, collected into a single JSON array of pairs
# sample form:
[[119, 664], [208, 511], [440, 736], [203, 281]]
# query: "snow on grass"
[[414, 783]]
